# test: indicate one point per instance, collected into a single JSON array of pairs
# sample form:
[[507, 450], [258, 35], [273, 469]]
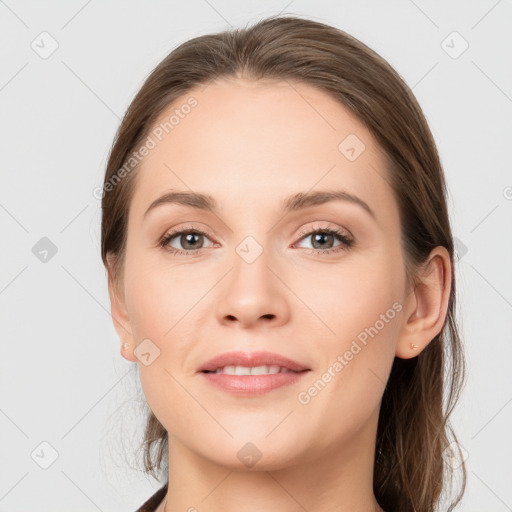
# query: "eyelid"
[[313, 229], [188, 226]]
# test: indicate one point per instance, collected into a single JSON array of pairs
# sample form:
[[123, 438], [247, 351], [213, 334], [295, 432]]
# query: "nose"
[[253, 294]]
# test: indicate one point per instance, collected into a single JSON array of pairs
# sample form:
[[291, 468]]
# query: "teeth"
[[255, 370]]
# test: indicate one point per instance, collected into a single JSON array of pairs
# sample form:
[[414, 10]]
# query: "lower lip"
[[252, 385]]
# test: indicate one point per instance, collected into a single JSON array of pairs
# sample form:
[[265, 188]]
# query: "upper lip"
[[251, 359]]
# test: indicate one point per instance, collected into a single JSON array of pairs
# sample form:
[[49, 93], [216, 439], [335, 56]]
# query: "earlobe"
[[127, 351], [427, 305], [119, 313]]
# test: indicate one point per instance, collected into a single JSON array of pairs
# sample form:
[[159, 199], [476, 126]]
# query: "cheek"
[[158, 299], [346, 300], [357, 313], [159, 294]]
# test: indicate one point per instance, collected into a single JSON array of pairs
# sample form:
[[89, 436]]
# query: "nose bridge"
[[251, 291], [250, 277], [250, 267]]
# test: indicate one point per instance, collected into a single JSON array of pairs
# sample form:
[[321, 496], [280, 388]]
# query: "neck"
[[328, 481]]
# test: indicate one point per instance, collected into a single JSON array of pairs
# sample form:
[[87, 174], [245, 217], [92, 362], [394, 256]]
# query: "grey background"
[[62, 379]]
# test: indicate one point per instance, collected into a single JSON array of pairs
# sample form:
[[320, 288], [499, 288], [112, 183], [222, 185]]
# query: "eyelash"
[[346, 241]]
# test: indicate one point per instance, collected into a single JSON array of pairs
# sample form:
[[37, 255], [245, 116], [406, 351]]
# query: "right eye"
[[189, 239]]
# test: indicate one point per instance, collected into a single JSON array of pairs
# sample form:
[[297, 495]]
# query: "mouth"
[[252, 374], [252, 370]]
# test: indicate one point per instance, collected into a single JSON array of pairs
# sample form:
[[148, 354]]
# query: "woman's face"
[[260, 279]]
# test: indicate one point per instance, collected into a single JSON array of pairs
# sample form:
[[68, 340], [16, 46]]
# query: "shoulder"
[[152, 503]]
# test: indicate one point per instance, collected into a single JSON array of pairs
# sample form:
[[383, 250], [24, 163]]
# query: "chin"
[[253, 452]]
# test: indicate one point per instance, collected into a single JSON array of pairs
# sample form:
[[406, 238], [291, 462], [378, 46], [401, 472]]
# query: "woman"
[[280, 266]]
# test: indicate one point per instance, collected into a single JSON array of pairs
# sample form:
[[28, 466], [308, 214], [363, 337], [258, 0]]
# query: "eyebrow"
[[295, 202]]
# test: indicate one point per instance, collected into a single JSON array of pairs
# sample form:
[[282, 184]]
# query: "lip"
[[251, 359], [252, 385]]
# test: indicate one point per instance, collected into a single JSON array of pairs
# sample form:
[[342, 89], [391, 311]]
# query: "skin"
[[250, 145]]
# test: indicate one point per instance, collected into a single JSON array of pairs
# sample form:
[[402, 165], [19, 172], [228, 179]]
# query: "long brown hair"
[[412, 462]]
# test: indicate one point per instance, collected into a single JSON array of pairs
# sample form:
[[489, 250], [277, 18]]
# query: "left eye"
[[323, 239]]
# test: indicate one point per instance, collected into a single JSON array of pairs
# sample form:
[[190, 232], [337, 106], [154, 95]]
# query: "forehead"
[[244, 141]]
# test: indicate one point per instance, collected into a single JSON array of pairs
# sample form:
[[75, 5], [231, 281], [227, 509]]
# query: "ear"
[[426, 305], [120, 316]]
